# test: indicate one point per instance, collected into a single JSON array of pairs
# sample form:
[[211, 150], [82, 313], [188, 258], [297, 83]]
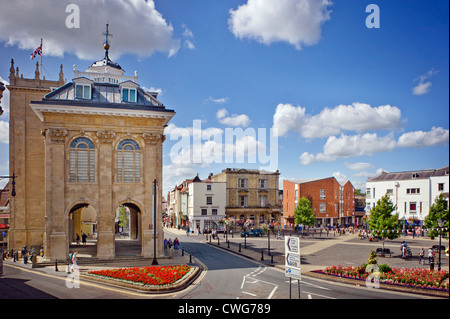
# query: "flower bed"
[[411, 278], [148, 276]]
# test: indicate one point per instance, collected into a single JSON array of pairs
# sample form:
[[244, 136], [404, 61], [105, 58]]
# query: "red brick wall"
[[311, 190]]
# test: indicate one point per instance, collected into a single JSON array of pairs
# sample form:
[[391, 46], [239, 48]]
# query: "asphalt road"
[[225, 276]]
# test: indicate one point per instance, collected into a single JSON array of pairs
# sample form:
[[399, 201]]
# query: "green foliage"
[[372, 258], [303, 213], [381, 220], [384, 268], [123, 217], [438, 211]]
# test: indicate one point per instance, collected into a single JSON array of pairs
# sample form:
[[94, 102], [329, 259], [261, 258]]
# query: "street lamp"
[[13, 183], [155, 196], [440, 223]]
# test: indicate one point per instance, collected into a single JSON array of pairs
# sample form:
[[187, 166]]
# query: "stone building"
[[251, 195], [80, 150]]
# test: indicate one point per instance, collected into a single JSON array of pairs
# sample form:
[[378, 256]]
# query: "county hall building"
[[80, 150]]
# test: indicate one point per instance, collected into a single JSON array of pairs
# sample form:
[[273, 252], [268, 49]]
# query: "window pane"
[[78, 91], [132, 95], [86, 92], [125, 95]]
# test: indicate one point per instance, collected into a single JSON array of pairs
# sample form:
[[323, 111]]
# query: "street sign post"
[[292, 261]]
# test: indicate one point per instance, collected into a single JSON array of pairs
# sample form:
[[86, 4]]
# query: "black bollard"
[[218, 241], [56, 264], [182, 251], [190, 258], [239, 247], [262, 255], [271, 259], [228, 242]]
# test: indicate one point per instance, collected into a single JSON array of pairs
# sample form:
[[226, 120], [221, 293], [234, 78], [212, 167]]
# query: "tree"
[[381, 220], [438, 211], [303, 213], [123, 217]]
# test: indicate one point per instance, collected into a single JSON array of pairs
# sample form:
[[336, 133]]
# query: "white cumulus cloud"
[[297, 22], [424, 85], [137, 28], [234, 120], [437, 136], [358, 117]]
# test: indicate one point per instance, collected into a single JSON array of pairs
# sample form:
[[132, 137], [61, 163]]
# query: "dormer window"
[[128, 95], [83, 91]]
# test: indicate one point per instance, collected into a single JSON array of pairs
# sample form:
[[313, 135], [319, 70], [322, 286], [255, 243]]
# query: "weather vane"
[[107, 36]]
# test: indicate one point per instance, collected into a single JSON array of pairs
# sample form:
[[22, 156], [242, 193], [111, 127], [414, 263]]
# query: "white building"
[[206, 204], [413, 192]]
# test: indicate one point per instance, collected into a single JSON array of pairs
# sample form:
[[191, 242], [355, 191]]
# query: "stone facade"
[[251, 194], [51, 188]]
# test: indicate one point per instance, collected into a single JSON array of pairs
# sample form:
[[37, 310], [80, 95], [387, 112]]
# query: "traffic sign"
[[292, 260]]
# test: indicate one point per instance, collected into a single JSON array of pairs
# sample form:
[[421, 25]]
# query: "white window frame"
[[86, 88]]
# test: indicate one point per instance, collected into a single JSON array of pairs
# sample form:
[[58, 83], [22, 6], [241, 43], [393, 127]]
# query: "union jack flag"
[[36, 52]]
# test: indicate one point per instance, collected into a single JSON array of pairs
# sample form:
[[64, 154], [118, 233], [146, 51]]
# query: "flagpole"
[[42, 52]]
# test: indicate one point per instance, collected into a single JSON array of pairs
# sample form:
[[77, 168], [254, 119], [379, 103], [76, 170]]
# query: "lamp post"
[[13, 183], [155, 261], [440, 223]]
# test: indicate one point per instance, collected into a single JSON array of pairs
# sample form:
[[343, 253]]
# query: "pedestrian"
[[430, 255], [78, 240], [170, 243], [176, 243], [83, 238], [75, 261], [165, 243], [421, 254]]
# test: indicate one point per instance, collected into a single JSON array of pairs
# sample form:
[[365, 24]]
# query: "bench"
[[383, 252]]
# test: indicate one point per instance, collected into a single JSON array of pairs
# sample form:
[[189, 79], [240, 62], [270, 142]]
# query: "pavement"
[[317, 252]]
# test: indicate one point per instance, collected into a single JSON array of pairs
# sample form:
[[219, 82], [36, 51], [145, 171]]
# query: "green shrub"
[[385, 268]]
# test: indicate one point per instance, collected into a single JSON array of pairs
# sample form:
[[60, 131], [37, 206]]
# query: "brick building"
[[332, 201]]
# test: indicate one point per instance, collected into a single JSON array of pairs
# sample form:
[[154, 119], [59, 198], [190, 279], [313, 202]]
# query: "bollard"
[[182, 251], [56, 264], [262, 255], [190, 258], [239, 247], [218, 241], [271, 259], [228, 242]]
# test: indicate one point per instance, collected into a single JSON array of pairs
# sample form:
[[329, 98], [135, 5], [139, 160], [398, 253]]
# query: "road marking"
[[311, 293], [244, 292], [122, 291]]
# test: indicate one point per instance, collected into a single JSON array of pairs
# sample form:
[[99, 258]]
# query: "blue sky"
[[347, 100]]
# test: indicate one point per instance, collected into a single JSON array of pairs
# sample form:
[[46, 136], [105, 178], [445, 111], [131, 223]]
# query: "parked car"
[[252, 233]]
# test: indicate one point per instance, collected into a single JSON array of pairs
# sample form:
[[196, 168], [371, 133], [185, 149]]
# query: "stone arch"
[[82, 216], [129, 241]]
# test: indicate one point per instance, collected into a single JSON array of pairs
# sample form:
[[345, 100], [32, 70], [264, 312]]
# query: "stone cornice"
[[39, 109]]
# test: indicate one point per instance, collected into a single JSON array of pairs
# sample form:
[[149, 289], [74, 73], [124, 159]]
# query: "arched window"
[[128, 162], [82, 160]]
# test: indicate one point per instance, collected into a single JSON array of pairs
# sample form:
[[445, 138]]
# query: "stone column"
[[152, 170], [56, 236], [106, 215]]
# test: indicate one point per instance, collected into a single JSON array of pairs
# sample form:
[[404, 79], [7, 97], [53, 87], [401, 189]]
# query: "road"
[[225, 276], [229, 276]]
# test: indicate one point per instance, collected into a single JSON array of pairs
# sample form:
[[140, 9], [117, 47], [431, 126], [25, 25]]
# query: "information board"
[[292, 257]]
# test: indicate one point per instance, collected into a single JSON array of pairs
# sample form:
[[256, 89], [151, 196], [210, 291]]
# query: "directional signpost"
[[292, 261]]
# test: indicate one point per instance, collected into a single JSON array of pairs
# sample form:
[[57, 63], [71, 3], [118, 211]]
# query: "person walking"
[[421, 255], [75, 261]]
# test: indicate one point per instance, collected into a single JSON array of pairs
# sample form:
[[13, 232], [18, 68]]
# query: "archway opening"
[[128, 230], [83, 230]]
